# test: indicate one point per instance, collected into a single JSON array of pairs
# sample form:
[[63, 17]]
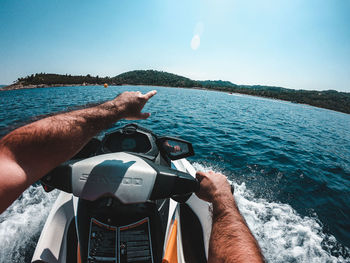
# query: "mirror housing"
[[175, 148]]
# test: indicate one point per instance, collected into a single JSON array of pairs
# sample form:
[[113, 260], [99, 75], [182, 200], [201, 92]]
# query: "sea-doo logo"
[[84, 177], [103, 179], [131, 180]]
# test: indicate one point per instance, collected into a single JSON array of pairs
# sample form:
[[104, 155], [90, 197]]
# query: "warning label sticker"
[[124, 244], [135, 243]]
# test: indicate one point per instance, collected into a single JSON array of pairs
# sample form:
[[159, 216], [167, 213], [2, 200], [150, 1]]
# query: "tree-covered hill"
[[331, 99], [54, 79], [217, 83], [153, 77]]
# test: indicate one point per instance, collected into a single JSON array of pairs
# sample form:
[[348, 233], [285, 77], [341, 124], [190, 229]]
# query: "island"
[[329, 99]]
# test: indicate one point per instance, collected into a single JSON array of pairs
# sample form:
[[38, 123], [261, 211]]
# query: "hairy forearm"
[[31, 151], [40, 146], [231, 239]]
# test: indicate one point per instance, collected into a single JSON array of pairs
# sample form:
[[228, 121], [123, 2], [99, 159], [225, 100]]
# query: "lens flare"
[[195, 42]]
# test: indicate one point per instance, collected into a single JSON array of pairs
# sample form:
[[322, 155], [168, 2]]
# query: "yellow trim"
[[78, 254], [170, 255]]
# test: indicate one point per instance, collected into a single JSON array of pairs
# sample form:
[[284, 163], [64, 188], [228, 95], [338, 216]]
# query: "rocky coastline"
[[17, 86]]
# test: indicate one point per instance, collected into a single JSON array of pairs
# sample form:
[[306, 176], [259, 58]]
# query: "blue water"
[[289, 162]]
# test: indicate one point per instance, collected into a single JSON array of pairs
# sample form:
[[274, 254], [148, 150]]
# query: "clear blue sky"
[[300, 44]]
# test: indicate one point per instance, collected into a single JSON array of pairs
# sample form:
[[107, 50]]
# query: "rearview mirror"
[[175, 148]]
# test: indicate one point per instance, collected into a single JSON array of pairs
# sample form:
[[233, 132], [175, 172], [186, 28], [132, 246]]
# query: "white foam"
[[21, 224], [283, 234]]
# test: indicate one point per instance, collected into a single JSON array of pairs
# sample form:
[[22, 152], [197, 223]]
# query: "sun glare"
[[195, 42]]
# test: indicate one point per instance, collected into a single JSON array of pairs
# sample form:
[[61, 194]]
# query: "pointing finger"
[[150, 94], [144, 115]]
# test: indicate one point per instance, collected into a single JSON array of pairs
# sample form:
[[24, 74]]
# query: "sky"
[[294, 44]]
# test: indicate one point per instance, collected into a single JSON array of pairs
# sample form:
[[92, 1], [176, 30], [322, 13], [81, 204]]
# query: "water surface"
[[289, 162]]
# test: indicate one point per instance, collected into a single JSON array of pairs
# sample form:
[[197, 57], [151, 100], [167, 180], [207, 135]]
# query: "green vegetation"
[[53, 79], [152, 77], [137, 77], [330, 99]]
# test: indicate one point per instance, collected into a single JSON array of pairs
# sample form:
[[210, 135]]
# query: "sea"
[[289, 164]]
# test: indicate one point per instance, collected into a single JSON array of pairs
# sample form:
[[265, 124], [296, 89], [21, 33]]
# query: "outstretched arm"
[[31, 151], [230, 239]]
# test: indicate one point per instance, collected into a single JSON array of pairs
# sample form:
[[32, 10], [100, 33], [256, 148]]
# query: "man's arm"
[[31, 151], [230, 239]]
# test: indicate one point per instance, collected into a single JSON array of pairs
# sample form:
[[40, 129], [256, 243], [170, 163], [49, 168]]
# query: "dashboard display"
[[128, 144], [136, 142]]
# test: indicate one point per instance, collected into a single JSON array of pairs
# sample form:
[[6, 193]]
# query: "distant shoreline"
[[39, 86], [328, 99]]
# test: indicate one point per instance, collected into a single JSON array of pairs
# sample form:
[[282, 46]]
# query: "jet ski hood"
[[125, 176]]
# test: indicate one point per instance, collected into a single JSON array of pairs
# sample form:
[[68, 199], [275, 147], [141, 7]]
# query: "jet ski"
[[126, 198]]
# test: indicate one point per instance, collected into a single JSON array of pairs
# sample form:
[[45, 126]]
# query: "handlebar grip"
[[170, 183], [185, 184], [59, 178]]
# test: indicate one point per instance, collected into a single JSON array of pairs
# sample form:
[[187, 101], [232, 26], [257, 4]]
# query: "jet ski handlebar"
[[128, 177]]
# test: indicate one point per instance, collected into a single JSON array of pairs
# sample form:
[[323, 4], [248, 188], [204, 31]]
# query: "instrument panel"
[[136, 142]]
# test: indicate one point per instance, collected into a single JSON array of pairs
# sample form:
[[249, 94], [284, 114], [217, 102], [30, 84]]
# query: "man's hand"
[[213, 186], [130, 104], [177, 148], [230, 239]]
